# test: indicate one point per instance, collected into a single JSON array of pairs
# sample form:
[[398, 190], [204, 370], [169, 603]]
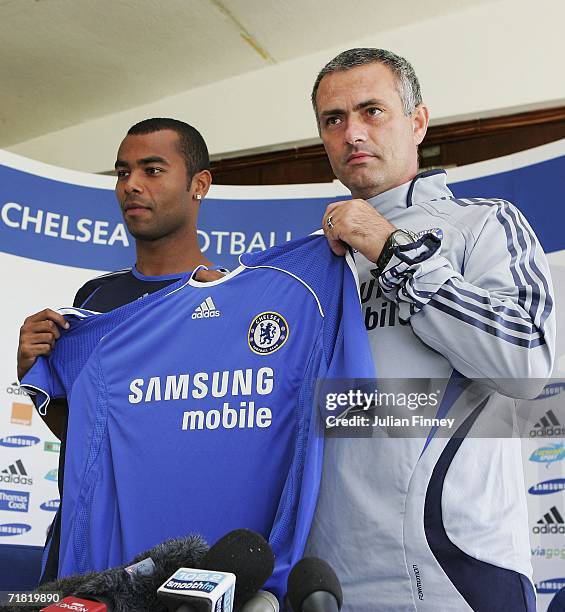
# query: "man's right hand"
[[38, 335]]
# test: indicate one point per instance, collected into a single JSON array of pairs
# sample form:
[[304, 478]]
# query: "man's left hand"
[[358, 224]]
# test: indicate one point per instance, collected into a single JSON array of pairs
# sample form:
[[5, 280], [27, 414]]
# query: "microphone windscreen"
[[312, 575], [139, 592], [172, 554], [246, 554], [66, 586]]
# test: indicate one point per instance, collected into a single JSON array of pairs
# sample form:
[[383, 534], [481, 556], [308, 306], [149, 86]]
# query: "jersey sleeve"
[[43, 384], [344, 354], [495, 319], [346, 343]]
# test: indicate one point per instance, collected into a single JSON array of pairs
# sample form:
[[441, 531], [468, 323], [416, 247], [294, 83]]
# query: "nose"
[[132, 183], [356, 131]]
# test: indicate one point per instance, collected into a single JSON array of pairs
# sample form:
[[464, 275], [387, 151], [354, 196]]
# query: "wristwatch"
[[399, 237]]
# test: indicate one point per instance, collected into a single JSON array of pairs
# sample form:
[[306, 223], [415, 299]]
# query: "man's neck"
[[368, 194], [159, 258]]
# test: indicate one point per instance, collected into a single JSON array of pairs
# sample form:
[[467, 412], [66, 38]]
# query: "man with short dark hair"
[[163, 172], [453, 289]]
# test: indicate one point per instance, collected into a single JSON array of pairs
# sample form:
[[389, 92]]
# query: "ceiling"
[[64, 62]]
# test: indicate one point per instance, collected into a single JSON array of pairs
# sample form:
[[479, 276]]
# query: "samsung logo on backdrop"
[[54, 225], [551, 390], [552, 585], [51, 506], [12, 529], [548, 486], [14, 441]]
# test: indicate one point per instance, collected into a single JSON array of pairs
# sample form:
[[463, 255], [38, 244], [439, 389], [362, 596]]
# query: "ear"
[[200, 184], [420, 119]]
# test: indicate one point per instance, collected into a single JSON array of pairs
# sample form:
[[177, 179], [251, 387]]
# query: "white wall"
[[487, 60]]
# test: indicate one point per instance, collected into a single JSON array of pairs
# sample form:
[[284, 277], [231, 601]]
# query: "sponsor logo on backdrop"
[[16, 474], [54, 225], [14, 501], [547, 427], [14, 529], [237, 243], [547, 487], [549, 554], [52, 447], [19, 441], [551, 585], [22, 414], [551, 523], [52, 475], [549, 454], [551, 390], [51, 505], [15, 389], [206, 310]]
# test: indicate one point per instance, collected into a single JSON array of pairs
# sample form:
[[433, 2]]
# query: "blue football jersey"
[[191, 410]]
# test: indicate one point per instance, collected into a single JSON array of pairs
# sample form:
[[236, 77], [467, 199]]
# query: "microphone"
[[246, 554], [314, 587], [243, 553], [133, 587], [193, 590], [262, 601]]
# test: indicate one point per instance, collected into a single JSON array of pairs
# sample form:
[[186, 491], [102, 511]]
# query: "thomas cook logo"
[[267, 333]]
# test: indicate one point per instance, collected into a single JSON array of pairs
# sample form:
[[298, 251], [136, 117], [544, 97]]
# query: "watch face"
[[401, 238]]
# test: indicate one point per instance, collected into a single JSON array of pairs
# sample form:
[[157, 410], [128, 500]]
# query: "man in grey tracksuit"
[[457, 289]]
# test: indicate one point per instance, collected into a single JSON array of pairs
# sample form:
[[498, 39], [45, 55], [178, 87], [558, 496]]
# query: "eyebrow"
[[357, 107], [154, 159]]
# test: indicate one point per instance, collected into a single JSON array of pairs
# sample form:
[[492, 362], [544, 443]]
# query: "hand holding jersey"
[[357, 224], [38, 335]]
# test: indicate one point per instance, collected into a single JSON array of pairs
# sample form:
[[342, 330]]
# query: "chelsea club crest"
[[267, 333]]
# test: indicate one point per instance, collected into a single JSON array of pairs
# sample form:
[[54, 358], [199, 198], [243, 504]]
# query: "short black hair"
[[191, 144], [407, 82]]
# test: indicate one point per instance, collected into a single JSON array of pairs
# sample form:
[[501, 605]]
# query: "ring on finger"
[[329, 223]]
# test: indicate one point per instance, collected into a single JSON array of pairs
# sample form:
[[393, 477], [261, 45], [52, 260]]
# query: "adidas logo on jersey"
[[552, 522], [547, 426], [206, 310], [16, 474]]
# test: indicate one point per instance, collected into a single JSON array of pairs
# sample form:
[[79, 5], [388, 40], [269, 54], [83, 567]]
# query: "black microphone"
[[314, 587], [246, 554], [133, 587], [262, 601], [243, 553]]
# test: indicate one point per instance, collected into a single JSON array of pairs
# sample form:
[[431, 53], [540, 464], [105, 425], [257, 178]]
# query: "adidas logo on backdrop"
[[548, 426], [16, 474], [206, 310], [552, 522]]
